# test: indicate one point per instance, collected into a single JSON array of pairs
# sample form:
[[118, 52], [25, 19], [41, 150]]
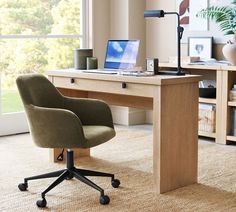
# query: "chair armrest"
[[90, 111], [55, 128]]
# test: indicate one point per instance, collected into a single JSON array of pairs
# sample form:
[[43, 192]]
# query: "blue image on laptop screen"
[[121, 54]]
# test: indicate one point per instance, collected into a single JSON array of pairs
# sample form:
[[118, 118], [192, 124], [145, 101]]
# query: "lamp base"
[[170, 73]]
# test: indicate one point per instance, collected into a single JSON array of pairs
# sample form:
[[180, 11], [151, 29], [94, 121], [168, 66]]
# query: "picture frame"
[[200, 47]]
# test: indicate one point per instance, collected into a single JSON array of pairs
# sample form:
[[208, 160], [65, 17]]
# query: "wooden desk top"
[[229, 68], [151, 80], [203, 67]]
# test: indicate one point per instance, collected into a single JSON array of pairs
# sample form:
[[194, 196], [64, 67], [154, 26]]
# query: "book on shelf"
[[209, 61], [232, 93], [204, 106], [207, 84], [206, 117], [233, 121]]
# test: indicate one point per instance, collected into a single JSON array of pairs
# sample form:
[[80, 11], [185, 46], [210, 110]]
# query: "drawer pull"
[[72, 80], [124, 85]]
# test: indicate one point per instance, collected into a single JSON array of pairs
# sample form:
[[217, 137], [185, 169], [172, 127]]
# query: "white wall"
[[127, 22], [123, 19], [119, 19], [137, 27], [100, 31], [161, 32]]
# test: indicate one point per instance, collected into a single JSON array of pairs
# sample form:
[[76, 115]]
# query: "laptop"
[[120, 55]]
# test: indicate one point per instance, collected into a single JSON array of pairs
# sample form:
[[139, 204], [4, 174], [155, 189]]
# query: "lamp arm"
[[180, 31]]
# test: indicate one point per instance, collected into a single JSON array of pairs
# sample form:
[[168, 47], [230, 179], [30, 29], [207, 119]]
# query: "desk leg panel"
[[175, 136]]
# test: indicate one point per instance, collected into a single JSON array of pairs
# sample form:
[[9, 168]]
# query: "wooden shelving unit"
[[228, 80], [207, 100], [207, 134], [225, 77]]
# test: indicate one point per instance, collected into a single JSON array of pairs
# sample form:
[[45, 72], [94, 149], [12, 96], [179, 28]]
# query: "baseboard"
[[128, 116], [149, 117], [120, 115], [136, 116]]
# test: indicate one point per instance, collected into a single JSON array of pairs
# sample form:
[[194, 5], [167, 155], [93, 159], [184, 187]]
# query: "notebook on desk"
[[120, 55]]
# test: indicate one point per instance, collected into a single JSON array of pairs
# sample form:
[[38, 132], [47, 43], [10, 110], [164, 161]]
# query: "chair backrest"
[[37, 90]]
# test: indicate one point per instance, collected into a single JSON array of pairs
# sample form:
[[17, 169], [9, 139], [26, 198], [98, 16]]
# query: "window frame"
[[15, 122], [83, 36]]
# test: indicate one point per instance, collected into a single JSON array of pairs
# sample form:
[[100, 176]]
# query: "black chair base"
[[67, 174]]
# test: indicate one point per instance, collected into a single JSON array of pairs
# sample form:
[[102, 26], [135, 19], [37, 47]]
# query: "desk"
[[174, 101]]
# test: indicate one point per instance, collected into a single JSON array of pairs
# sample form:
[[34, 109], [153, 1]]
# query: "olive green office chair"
[[57, 121]]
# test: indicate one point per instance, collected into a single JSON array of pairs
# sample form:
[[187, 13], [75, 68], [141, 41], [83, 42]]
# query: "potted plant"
[[225, 17]]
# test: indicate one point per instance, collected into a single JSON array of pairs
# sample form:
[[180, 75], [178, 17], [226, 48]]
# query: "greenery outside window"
[[35, 36]]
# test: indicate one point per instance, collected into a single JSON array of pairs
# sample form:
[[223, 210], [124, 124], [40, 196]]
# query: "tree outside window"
[[34, 37]]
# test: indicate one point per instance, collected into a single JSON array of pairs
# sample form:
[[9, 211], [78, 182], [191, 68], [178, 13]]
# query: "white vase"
[[229, 52]]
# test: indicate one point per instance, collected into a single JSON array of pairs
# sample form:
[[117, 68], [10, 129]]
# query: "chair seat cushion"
[[96, 135]]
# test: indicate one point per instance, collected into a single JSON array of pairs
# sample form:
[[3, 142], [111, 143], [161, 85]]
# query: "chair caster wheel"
[[104, 200], [69, 177], [115, 183], [41, 203], [23, 186]]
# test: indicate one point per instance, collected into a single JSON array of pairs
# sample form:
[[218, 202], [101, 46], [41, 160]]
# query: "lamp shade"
[[154, 13]]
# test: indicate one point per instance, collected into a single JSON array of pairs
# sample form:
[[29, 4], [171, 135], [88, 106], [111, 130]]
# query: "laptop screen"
[[121, 54]]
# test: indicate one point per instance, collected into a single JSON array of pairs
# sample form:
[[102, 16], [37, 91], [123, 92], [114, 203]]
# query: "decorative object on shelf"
[[187, 10], [207, 93], [180, 30], [80, 58], [232, 94], [152, 65], [207, 89], [183, 10], [229, 51], [225, 17], [206, 118], [200, 47], [92, 63]]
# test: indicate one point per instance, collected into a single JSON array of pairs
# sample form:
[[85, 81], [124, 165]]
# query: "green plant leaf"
[[234, 2], [224, 16]]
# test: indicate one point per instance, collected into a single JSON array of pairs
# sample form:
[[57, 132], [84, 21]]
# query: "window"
[[35, 36]]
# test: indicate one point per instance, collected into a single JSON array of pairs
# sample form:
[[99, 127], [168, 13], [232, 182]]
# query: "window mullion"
[[84, 23], [40, 36]]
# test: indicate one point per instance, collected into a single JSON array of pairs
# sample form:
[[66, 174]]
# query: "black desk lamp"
[[160, 14]]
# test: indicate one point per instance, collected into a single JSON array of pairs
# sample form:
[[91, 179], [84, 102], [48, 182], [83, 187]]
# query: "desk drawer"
[[114, 87]]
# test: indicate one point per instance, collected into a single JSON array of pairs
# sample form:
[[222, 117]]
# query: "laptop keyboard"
[[101, 71]]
